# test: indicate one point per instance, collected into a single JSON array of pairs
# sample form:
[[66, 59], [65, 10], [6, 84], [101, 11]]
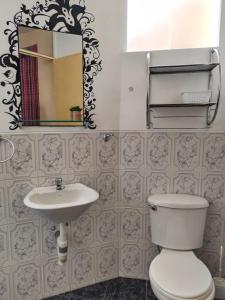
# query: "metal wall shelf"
[[183, 104], [211, 107], [183, 68]]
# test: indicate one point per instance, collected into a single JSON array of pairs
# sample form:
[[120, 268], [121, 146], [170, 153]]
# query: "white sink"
[[61, 205]]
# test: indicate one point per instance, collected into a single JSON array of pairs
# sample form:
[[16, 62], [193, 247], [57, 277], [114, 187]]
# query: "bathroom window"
[[172, 24]]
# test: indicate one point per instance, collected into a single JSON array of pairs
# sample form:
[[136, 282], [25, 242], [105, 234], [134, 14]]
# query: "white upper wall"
[[174, 24], [116, 106]]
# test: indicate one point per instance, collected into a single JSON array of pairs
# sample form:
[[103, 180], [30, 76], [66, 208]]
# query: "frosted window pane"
[[172, 24]]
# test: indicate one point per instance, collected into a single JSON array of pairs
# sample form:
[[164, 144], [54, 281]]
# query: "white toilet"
[[177, 225]]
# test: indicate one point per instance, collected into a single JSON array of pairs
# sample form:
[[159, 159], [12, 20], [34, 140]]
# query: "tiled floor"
[[115, 289]]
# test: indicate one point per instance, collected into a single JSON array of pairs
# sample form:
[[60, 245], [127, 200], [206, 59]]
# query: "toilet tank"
[[177, 220]]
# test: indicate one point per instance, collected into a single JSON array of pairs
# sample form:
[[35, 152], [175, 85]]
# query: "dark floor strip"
[[115, 289]]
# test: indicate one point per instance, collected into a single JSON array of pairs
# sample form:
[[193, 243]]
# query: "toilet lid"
[[180, 273]]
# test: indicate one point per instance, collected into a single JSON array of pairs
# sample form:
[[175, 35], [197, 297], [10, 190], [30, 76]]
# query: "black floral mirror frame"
[[56, 15]]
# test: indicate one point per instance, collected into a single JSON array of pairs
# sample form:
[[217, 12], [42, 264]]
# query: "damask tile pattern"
[[131, 261], [113, 237], [187, 152], [4, 286], [27, 282], [214, 152], [23, 163], [55, 278], [107, 152], [186, 184], [158, 183], [3, 203], [107, 226], [24, 240], [131, 221], [107, 263], [213, 231], [82, 231], [107, 186], [51, 157], [81, 152], [132, 189], [213, 189], [4, 240], [132, 150], [48, 231], [82, 269], [16, 192], [159, 151]]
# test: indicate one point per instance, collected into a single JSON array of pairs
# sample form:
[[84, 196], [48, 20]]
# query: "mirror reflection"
[[51, 70]]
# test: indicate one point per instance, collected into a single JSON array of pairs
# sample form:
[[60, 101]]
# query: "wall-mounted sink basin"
[[61, 205]]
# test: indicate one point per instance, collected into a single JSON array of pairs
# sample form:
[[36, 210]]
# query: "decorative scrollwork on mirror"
[[55, 15]]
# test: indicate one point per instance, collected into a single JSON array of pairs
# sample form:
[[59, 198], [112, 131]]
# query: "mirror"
[[51, 72]]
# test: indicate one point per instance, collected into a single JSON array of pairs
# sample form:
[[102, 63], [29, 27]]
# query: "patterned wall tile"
[[107, 263], [158, 183], [24, 240], [49, 242], [106, 226], [187, 151], [4, 286], [214, 152], [186, 184], [50, 180], [149, 255], [211, 259], [213, 231], [131, 189], [17, 190], [23, 163], [82, 231], [55, 278], [107, 152], [3, 203], [84, 178], [27, 282], [82, 269], [3, 157], [158, 151], [81, 152], [130, 261], [51, 155], [4, 246], [131, 222], [131, 150], [213, 189], [123, 227], [147, 226], [107, 186]]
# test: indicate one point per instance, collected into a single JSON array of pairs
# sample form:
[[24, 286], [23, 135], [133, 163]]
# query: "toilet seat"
[[162, 295], [180, 275]]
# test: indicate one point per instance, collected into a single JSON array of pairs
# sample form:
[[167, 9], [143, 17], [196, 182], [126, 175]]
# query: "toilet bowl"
[[180, 275], [177, 226]]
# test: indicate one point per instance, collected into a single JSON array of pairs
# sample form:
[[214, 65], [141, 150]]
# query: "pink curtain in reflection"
[[30, 87]]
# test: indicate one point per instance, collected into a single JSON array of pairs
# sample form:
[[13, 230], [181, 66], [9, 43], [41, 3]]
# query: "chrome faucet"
[[59, 184]]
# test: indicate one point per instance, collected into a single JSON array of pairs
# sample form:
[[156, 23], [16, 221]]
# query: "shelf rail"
[[212, 106], [212, 112]]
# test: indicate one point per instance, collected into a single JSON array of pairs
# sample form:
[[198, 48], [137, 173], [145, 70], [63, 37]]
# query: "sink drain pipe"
[[62, 243]]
